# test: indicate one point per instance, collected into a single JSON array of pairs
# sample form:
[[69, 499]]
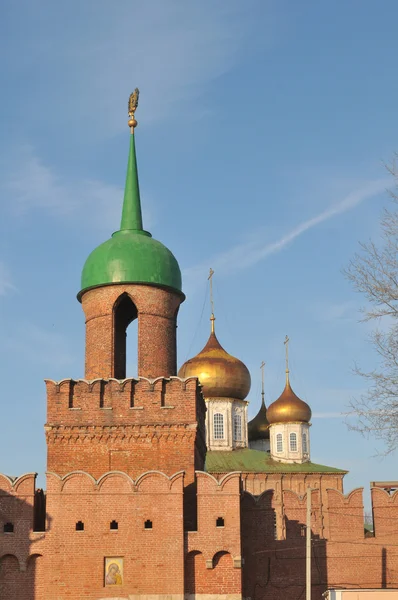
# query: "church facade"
[[158, 488]]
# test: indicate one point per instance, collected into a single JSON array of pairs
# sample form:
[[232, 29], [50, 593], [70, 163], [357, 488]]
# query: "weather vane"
[[132, 107]]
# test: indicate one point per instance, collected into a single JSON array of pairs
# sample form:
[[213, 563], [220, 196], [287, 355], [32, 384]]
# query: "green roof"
[[131, 255], [255, 461]]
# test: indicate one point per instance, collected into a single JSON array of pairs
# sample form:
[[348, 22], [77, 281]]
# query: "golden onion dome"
[[289, 408], [258, 427], [220, 374]]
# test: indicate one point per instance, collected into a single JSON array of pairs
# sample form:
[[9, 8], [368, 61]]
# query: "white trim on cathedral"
[[290, 442], [226, 423]]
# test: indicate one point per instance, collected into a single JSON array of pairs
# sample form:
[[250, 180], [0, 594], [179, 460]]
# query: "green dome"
[[131, 255]]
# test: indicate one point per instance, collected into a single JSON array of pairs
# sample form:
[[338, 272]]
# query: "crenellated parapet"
[[294, 513], [345, 515], [130, 425], [22, 486], [81, 482], [385, 513], [17, 519], [218, 505], [134, 401]]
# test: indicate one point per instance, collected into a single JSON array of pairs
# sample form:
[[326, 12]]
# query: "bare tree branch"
[[373, 272]]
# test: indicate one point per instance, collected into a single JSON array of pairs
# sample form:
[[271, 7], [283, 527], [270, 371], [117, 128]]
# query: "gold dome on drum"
[[220, 374], [289, 408]]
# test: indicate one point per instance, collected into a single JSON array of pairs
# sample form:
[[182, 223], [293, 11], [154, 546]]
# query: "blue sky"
[[263, 127]]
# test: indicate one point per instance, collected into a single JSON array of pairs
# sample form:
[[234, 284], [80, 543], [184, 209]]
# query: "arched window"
[[218, 426], [8, 528], [305, 445], [237, 428], [124, 313], [279, 442], [293, 442]]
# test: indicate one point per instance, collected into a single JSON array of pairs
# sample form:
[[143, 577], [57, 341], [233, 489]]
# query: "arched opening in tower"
[[125, 351]]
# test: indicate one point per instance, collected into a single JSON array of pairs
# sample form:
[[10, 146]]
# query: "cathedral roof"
[[255, 461], [220, 374], [131, 255], [258, 427]]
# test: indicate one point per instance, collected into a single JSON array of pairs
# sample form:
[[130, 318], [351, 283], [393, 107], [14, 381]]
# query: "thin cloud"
[[345, 312], [250, 253], [172, 50], [39, 186], [6, 284], [328, 415]]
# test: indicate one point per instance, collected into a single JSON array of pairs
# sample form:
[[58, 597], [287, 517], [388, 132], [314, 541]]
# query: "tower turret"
[[289, 418], [131, 276], [107, 421]]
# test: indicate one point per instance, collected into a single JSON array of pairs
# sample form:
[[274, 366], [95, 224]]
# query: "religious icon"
[[113, 571]]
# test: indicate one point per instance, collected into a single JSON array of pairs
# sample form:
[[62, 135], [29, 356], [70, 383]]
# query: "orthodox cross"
[[212, 318], [286, 342], [262, 380]]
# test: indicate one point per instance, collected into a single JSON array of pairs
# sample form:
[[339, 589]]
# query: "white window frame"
[[218, 426], [293, 442], [279, 442], [238, 428], [305, 444]]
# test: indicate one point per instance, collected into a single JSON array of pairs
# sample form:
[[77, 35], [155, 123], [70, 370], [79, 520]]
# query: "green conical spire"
[[131, 213], [131, 255]]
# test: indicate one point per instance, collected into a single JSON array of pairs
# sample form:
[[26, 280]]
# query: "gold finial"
[[212, 318], [132, 107], [262, 381], [286, 342]]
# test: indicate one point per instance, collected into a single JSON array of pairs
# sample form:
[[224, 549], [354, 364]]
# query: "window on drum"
[[218, 426], [237, 428]]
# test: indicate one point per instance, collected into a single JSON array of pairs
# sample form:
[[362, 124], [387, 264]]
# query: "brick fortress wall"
[[213, 565], [21, 548], [274, 562], [204, 562], [153, 558]]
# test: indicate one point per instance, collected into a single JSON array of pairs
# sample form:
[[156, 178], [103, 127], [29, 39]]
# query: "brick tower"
[[108, 422]]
